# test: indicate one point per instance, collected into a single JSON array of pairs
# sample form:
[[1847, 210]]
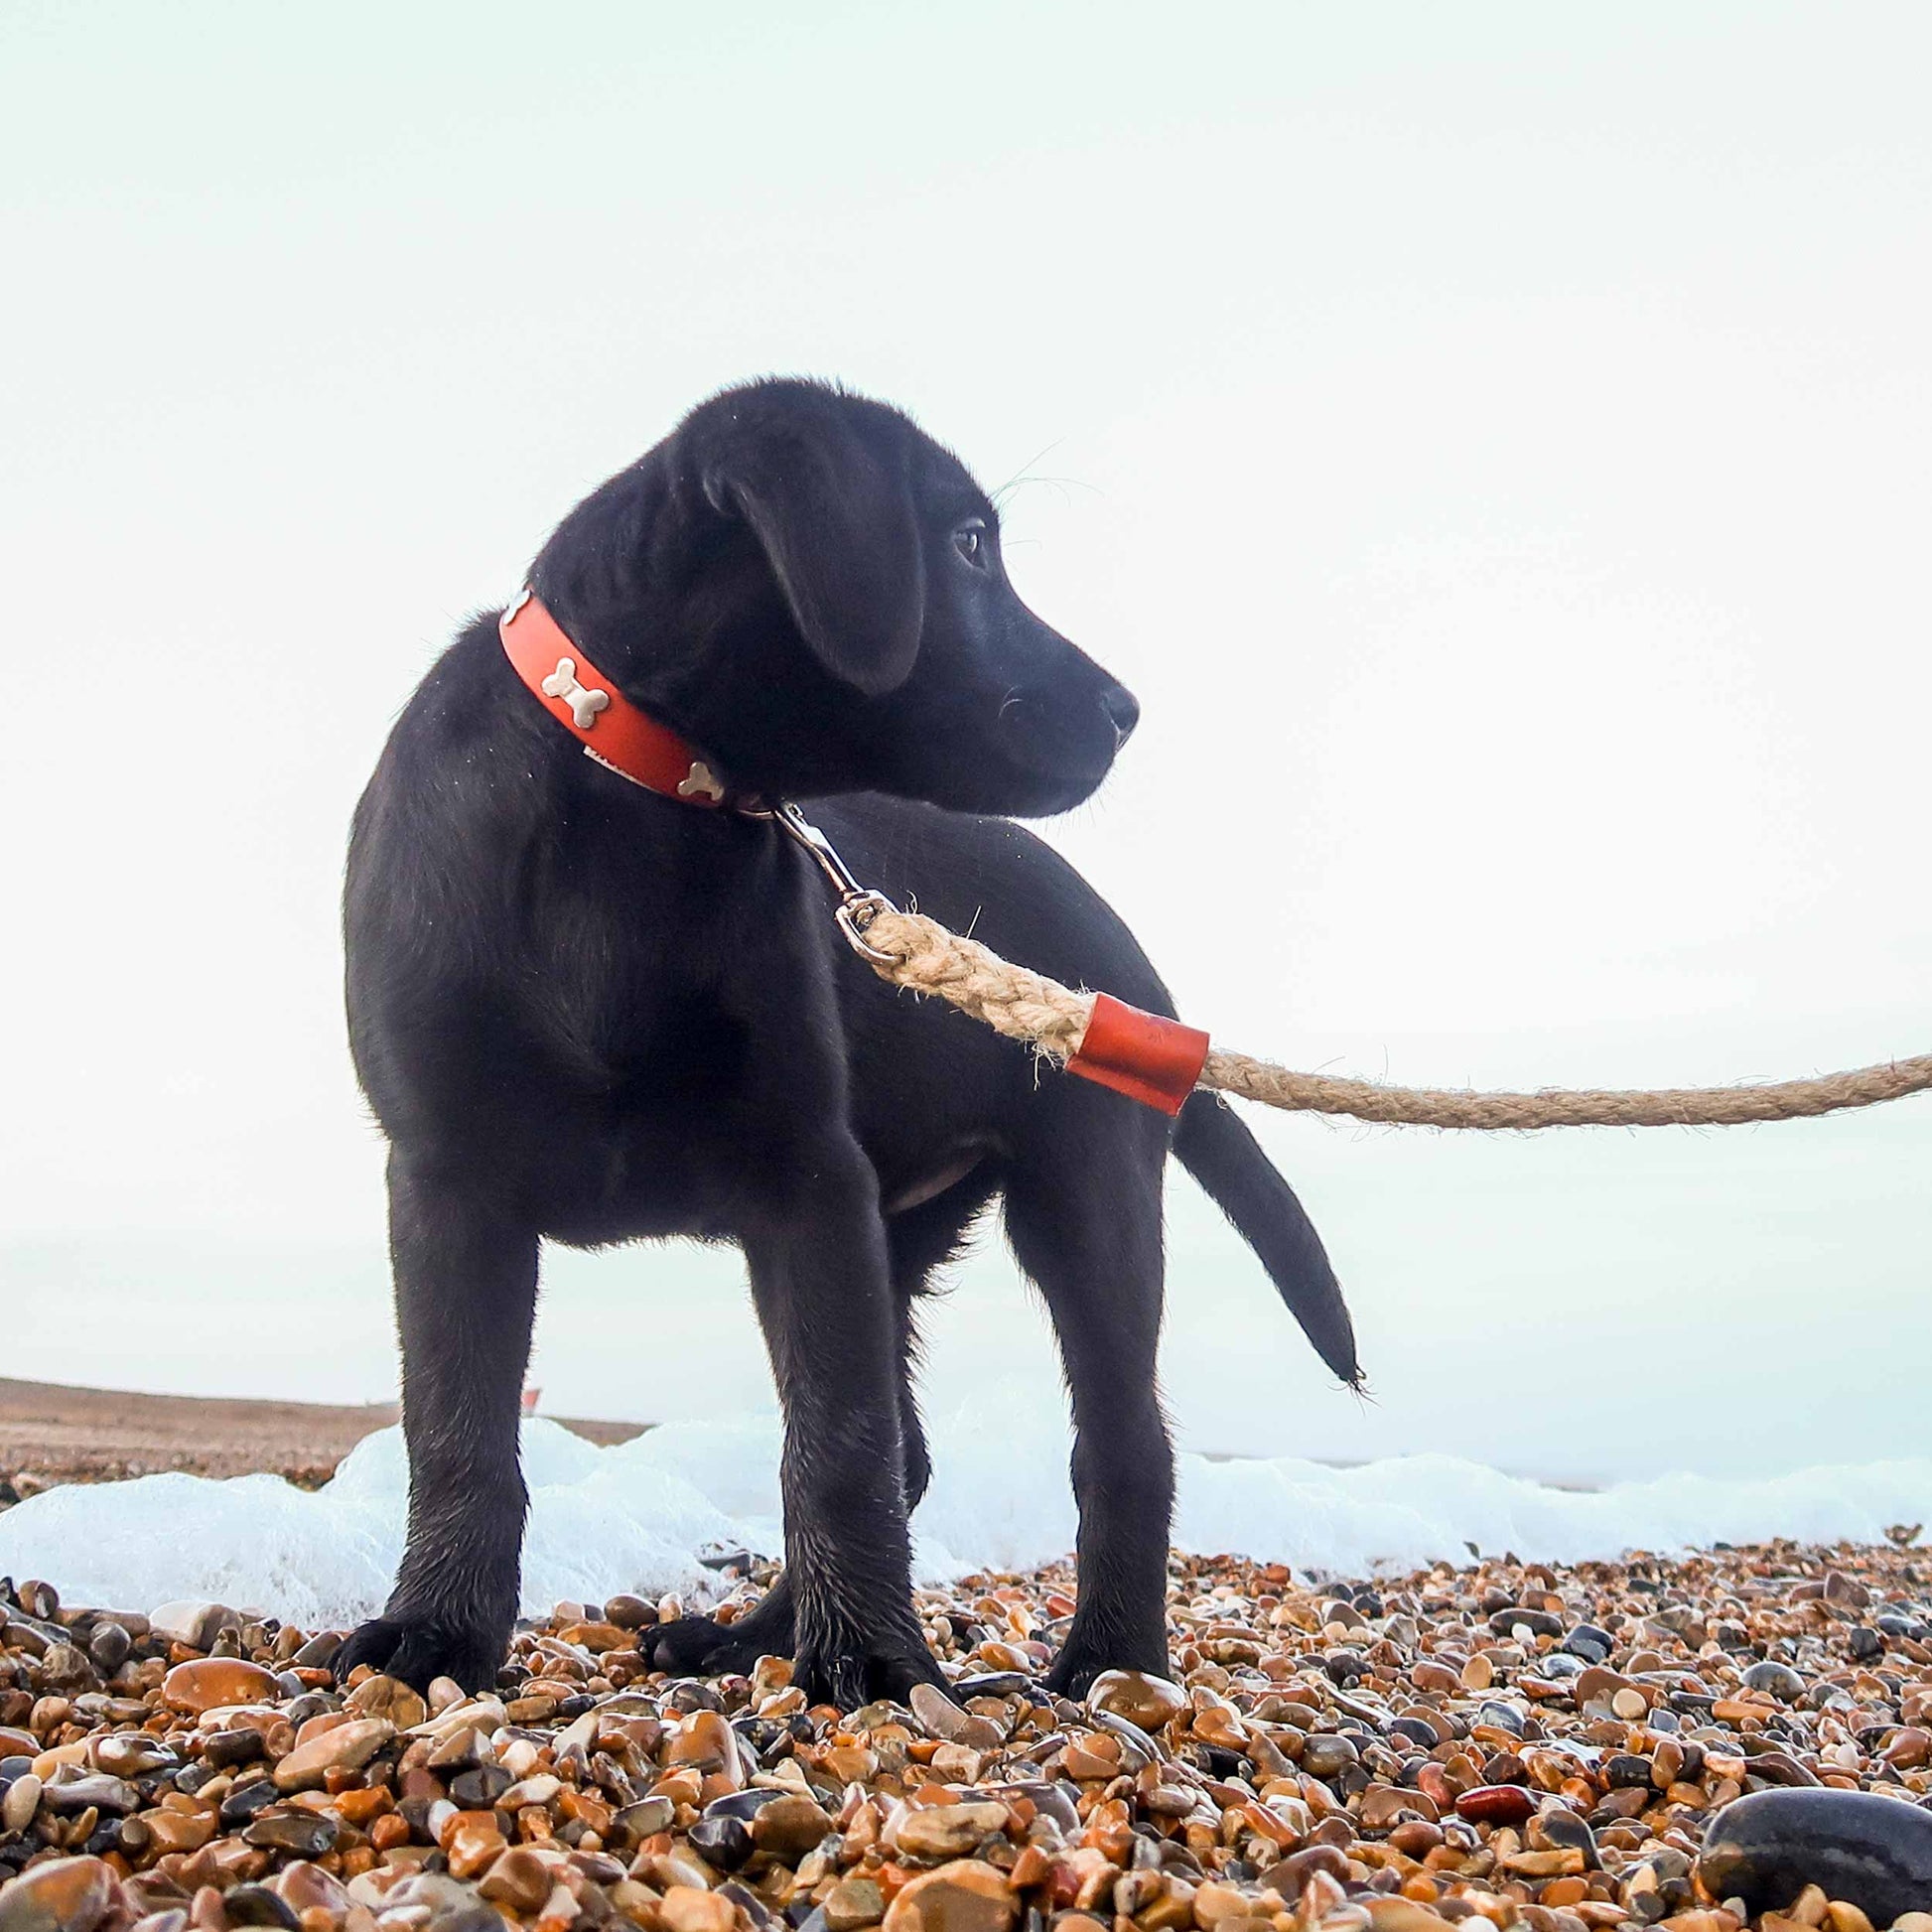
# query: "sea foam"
[[641, 1515]]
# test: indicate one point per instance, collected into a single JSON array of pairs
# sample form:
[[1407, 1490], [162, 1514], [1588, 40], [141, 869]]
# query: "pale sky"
[[1491, 440]]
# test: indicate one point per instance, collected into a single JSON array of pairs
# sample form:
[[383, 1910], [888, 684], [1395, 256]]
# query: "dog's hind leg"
[[915, 1458], [466, 1293], [1083, 1215], [921, 1241]]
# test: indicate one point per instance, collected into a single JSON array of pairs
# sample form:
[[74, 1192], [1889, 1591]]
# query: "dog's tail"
[[1215, 1147]]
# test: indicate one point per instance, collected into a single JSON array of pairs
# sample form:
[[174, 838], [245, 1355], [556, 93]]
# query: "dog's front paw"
[[849, 1675], [701, 1646], [420, 1650], [1080, 1662]]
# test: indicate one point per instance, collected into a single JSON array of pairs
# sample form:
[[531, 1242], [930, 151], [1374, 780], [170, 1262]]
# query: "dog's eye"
[[970, 541]]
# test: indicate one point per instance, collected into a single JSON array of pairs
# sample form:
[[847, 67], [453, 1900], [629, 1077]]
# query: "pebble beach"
[[1740, 1739]]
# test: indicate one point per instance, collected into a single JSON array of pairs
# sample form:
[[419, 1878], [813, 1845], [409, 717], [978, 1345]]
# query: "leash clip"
[[857, 905], [856, 913]]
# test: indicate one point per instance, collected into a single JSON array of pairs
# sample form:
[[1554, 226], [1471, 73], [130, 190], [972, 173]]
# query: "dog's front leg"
[[466, 1293], [822, 1286]]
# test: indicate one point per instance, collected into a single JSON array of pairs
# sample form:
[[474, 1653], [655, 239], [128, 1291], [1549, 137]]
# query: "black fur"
[[585, 1014]]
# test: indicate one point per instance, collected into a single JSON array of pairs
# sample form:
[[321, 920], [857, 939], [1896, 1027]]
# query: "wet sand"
[[50, 1433]]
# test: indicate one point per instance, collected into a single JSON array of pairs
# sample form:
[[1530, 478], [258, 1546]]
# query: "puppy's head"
[[812, 590]]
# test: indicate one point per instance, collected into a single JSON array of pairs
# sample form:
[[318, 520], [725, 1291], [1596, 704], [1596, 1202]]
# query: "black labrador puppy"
[[588, 1013]]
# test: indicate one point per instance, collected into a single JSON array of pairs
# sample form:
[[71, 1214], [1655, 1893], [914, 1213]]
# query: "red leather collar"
[[611, 729]]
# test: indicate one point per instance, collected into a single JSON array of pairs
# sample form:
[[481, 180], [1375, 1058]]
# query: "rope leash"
[[911, 950], [1160, 1062]]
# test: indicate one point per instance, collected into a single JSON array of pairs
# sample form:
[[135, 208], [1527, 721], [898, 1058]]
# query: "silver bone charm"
[[584, 704], [701, 783]]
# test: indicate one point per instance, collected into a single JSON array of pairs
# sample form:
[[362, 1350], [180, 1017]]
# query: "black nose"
[[1122, 710]]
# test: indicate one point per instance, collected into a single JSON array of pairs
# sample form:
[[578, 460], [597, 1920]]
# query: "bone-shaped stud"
[[584, 705], [700, 782]]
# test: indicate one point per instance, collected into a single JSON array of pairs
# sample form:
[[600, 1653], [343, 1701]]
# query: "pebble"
[[940, 1717], [387, 1697], [62, 1895], [257, 1905], [518, 1880], [344, 1748], [722, 1840], [853, 1902], [964, 1896], [65, 1796], [108, 1646], [1871, 1852], [1504, 1745], [1781, 1680], [1137, 1696], [20, 1802], [306, 1834], [1324, 1756], [938, 1831], [1496, 1804], [704, 1743], [205, 1683], [789, 1827], [194, 1625], [690, 1908], [472, 1843], [129, 1753], [307, 1888]]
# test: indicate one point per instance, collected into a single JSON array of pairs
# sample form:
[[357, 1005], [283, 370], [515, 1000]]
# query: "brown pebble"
[[940, 1717], [1496, 1804], [1137, 1696], [305, 1888], [1597, 1682], [61, 1896], [789, 1827], [519, 1879], [704, 1742], [472, 1847], [853, 1902], [205, 1683], [19, 1803], [948, 1831], [598, 1639], [1218, 1904], [967, 1895], [389, 1697], [346, 1748], [1402, 1915], [689, 1908]]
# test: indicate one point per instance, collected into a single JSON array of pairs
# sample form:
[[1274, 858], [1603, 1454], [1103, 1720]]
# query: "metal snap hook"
[[857, 905], [856, 913]]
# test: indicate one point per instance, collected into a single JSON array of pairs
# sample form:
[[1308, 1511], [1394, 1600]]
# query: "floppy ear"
[[839, 533]]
